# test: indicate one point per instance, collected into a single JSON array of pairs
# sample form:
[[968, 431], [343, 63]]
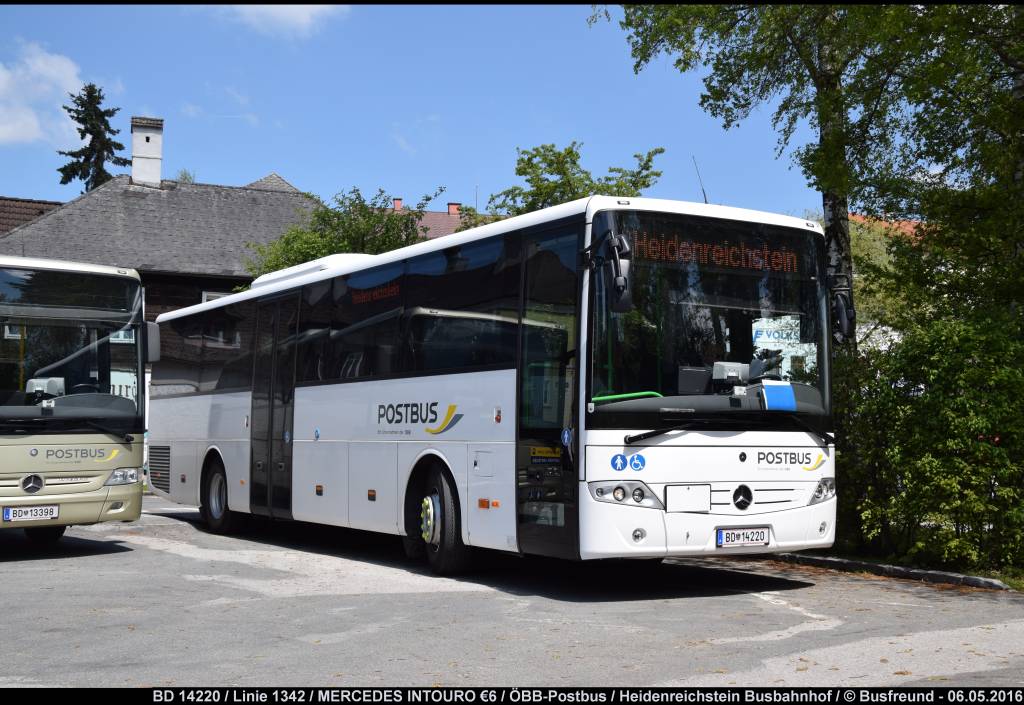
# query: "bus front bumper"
[[114, 503], [621, 531]]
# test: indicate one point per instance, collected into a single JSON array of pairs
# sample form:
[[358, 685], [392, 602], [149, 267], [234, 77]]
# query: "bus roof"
[[336, 265], [65, 266]]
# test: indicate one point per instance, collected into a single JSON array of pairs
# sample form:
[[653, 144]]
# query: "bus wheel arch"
[[433, 516], [213, 495]]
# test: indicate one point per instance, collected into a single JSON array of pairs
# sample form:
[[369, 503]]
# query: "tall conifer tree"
[[89, 162]]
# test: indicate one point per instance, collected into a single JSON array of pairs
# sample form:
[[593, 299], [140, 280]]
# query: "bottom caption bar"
[[315, 696]]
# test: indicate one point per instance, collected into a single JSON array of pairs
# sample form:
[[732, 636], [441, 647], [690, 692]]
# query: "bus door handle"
[[280, 466], [259, 465]]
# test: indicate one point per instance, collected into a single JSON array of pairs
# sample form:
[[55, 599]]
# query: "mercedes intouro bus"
[[611, 377], [72, 386]]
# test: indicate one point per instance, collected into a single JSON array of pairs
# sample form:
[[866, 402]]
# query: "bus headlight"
[[124, 476], [619, 491], [825, 490]]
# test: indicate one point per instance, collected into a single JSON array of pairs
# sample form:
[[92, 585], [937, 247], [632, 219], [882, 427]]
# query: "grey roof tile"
[[179, 228]]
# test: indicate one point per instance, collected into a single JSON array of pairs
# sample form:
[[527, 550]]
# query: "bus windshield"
[[721, 311], [69, 349]]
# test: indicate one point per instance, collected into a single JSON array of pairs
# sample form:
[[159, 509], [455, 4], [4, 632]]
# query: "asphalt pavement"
[[160, 602]]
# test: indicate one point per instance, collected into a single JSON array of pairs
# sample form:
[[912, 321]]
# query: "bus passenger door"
[[546, 476], [273, 393]]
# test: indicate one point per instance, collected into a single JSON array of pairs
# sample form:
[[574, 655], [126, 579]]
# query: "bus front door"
[[546, 476], [273, 392]]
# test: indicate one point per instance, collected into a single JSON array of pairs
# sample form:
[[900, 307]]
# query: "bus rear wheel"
[[45, 535], [213, 505], [440, 527]]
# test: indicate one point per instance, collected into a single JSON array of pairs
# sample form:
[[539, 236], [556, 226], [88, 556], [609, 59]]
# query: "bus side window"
[[314, 329], [237, 368], [364, 339], [181, 348], [461, 307], [549, 330]]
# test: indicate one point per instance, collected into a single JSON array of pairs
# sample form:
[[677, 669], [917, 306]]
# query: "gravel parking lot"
[[162, 603]]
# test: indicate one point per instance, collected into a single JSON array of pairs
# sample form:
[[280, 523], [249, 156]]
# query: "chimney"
[[147, 150], [453, 208], [398, 204]]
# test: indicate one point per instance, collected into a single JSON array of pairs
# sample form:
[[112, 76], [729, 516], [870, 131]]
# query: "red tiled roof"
[[439, 224], [907, 227], [18, 211]]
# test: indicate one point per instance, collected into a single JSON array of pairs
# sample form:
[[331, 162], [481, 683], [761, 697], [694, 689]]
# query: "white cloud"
[[191, 110], [237, 95], [294, 21], [403, 143], [32, 89]]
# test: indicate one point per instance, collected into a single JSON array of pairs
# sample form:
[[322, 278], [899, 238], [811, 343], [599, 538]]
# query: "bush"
[[931, 457]]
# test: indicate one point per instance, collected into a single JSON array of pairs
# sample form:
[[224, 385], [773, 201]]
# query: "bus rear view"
[[71, 395]]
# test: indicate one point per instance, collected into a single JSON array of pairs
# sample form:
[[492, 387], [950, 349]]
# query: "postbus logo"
[[817, 463], [450, 419], [97, 455], [417, 413]]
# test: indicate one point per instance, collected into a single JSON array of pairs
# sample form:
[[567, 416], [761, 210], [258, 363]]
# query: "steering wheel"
[[85, 389]]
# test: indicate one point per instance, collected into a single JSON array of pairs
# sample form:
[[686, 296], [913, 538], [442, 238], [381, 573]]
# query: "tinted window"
[[45, 287], [181, 347], [549, 329], [365, 329], [227, 348], [462, 307], [315, 309]]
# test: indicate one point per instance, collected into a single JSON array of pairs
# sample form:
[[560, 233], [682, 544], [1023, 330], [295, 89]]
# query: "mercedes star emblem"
[[32, 484], [742, 497]]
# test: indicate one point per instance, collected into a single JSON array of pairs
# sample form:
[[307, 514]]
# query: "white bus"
[[72, 384], [606, 378]]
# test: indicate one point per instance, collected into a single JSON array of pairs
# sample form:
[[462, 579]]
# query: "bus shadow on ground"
[[14, 546], [557, 579]]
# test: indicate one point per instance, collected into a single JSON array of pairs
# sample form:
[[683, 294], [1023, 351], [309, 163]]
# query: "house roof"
[[177, 228], [18, 211], [906, 227], [439, 223], [272, 182]]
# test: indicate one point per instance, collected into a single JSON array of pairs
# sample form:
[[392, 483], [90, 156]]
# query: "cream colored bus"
[[72, 385]]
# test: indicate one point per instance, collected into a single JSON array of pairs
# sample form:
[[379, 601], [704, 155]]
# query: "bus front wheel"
[[440, 527], [214, 503]]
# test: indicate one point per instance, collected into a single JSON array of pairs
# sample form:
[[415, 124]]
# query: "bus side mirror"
[[152, 342], [843, 313], [621, 292], [616, 272]]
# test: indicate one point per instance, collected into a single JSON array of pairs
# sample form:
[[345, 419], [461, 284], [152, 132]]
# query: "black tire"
[[213, 500], [45, 535], [440, 525], [413, 546]]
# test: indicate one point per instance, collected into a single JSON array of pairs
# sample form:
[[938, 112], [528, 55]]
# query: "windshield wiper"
[[128, 438], [753, 417], [802, 423], [689, 423]]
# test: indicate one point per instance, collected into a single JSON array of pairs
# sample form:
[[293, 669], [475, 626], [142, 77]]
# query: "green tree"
[[349, 223], [833, 66], [555, 176], [185, 177], [89, 162], [933, 456]]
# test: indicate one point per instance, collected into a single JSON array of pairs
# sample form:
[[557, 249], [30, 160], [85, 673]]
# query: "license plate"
[[41, 513], [750, 536]]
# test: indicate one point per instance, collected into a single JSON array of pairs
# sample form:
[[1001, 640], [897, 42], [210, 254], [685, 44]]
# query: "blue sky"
[[401, 97]]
